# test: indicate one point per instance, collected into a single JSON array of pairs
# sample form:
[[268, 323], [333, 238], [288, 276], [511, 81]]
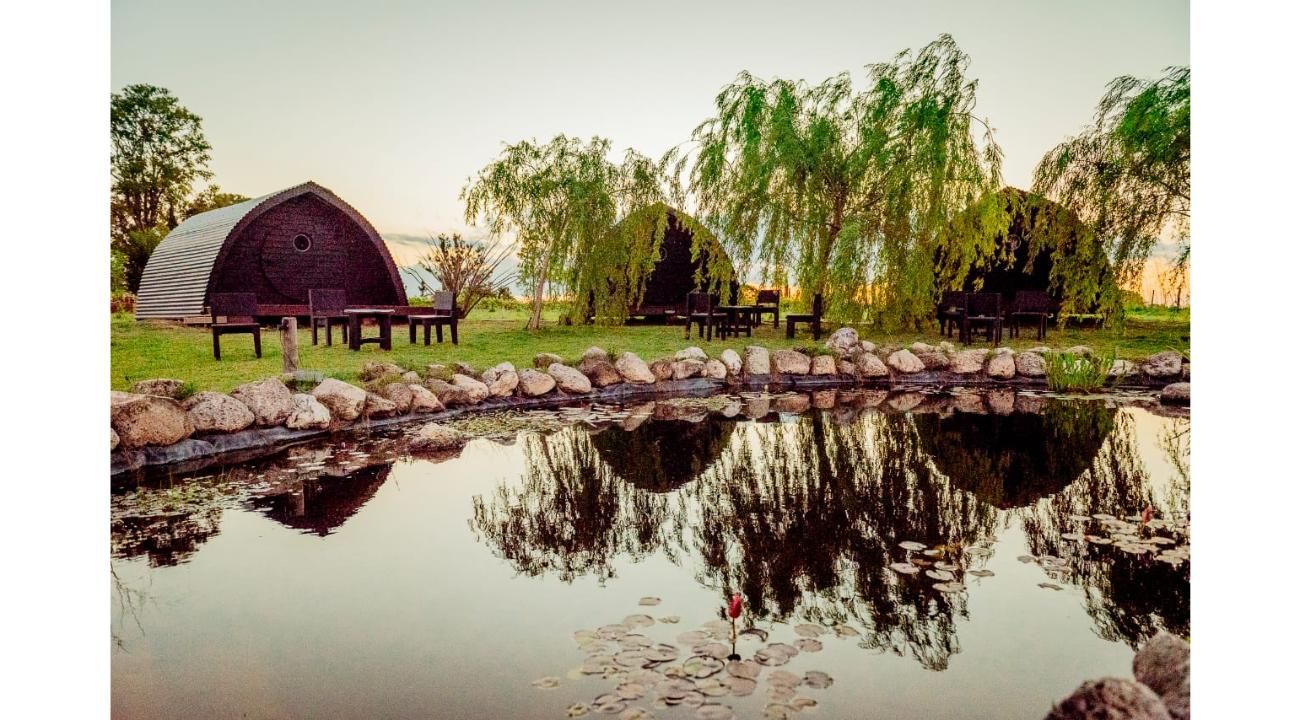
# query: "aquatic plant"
[[1070, 372]]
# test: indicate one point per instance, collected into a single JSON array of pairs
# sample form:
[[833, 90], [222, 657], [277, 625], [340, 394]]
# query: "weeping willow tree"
[[849, 191], [563, 202], [1129, 174]]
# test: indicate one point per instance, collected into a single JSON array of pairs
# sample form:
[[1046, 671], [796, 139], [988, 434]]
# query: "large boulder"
[[600, 372], [968, 362], [905, 362], [594, 353], [149, 420], [1179, 393], [1002, 366], [344, 401], [541, 361], [464, 368], [662, 369], [792, 403], [870, 366], [1123, 368], [270, 401], [533, 383], [217, 412], [423, 399], [1164, 664], [846, 366], [1167, 364], [691, 353], [932, 359], [919, 347], [373, 370], [411, 377], [633, 369], [791, 362], [731, 359], [1030, 364], [1110, 699], [687, 368], [307, 414], [477, 391], [867, 346], [449, 395], [569, 380], [757, 361], [435, 437], [714, 369], [501, 379], [399, 394], [378, 406], [1079, 350], [438, 371], [161, 387], [843, 342], [823, 365]]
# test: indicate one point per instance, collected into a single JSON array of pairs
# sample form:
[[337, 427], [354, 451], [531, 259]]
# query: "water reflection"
[[322, 504]]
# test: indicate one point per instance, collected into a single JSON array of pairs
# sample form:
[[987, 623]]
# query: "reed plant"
[[1069, 372]]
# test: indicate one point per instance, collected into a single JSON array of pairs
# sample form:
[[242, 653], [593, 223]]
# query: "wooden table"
[[381, 316], [734, 315]]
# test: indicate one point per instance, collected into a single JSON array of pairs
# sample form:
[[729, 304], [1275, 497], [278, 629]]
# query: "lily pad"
[[547, 683], [1049, 586], [780, 693], [808, 645], [808, 630], [941, 565], [638, 621], [940, 575], [702, 666], [845, 631], [784, 677], [693, 637], [980, 573], [747, 669], [912, 545], [1026, 558], [933, 553], [713, 687], [578, 710], [949, 587], [759, 633], [636, 712], [632, 658], [630, 691], [670, 619], [817, 680], [800, 702], [779, 711], [609, 704], [714, 711], [663, 652], [904, 568], [742, 687], [712, 649], [649, 601], [612, 632]]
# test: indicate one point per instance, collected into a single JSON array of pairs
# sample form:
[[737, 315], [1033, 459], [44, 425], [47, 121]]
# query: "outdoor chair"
[[326, 308], [700, 312], [443, 313], [234, 314], [813, 318], [768, 301], [983, 309], [951, 310], [1034, 305]]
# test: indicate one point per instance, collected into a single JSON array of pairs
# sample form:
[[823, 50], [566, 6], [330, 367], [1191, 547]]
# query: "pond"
[[918, 555]]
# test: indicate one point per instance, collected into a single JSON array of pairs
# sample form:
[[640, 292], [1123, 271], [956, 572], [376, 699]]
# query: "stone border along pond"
[[152, 427]]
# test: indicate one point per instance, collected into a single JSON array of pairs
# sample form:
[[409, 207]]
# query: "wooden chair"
[[700, 312], [443, 313], [326, 308], [768, 301], [983, 309], [233, 314], [813, 318], [951, 310], [1033, 305]]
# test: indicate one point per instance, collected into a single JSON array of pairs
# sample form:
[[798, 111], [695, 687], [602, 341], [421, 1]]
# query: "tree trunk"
[[539, 295]]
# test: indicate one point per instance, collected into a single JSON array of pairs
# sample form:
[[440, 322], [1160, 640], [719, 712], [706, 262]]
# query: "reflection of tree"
[[322, 504], [172, 531], [664, 454], [1129, 597]]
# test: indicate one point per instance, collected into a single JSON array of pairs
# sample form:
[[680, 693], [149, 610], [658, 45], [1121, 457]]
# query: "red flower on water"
[[735, 607]]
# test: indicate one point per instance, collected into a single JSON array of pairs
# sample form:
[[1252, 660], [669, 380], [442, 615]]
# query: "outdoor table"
[[381, 316], [735, 313]]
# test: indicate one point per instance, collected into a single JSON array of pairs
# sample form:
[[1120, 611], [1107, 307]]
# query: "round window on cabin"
[[301, 243]]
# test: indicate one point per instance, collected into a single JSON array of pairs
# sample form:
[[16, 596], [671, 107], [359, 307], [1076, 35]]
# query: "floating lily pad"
[[912, 545], [632, 658], [808, 645], [779, 711], [547, 683], [771, 658], [1049, 586], [712, 649], [904, 568], [636, 712], [693, 699], [743, 669], [670, 619], [663, 652], [941, 565], [612, 632], [844, 631], [586, 635], [759, 633], [649, 601], [638, 621], [693, 637], [1026, 558], [933, 553], [940, 575], [712, 687], [718, 628], [949, 587], [578, 710], [1076, 537], [780, 693], [630, 691], [784, 677], [808, 630], [702, 666], [1103, 516], [609, 704], [817, 680], [742, 686], [980, 573], [1096, 540], [800, 702], [714, 711]]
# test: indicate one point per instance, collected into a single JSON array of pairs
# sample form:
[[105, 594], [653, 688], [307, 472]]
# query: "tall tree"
[[1129, 174], [562, 201], [211, 198], [159, 153], [849, 189]]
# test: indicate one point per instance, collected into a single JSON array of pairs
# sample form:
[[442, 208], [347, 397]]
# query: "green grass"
[[143, 350], [1078, 373]]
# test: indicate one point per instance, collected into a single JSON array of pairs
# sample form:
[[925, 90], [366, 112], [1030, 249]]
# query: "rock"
[[905, 401], [378, 406], [846, 367], [905, 362], [541, 361], [757, 408], [533, 383], [714, 369], [595, 353], [1167, 364], [601, 372], [411, 377], [757, 361], [662, 369], [790, 362], [217, 412], [569, 380], [1079, 350], [501, 379], [270, 401], [373, 370], [1164, 664], [823, 399], [1110, 699], [691, 353], [968, 362], [438, 372], [823, 365], [1002, 401], [969, 402], [687, 368], [464, 368], [449, 395], [434, 437], [1003, 350], [932, 359], [307, 414], [1002, 366], [478, 392], [1187, 371], [399, 394], [633, 369], [870, 366], [843, 342], [344, 401], [1032, 404], [947, 347], [1123, 368], [794, 403], [160, 387], [867, 346], [1030, 364], [422, 400], [1179, 393], [149, 420], [731, 359], [919, 347], [113, 442]]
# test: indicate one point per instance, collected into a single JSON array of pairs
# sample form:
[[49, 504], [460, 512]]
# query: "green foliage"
[[1128, 176], [212, 198], [467, 269], [116, 271], [135, 248], [1068, 372], [849, 190]]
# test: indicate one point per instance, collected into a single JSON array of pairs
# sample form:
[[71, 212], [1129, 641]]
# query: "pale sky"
[[393, 105]]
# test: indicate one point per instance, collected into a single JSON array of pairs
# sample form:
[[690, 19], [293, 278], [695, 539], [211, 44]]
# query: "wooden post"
[[289, 343]]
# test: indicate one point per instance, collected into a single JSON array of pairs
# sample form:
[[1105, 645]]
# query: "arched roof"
[[179, 272]]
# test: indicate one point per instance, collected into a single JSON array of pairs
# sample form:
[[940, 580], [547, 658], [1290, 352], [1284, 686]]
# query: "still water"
[[350, 579]]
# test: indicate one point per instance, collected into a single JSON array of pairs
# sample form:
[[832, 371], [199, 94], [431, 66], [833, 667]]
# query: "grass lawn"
[[143, 350]]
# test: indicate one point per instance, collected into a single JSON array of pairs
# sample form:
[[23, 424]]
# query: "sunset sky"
[[393, 105]]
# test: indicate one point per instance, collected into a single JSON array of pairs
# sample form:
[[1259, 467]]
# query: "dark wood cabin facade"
[[278, 246]]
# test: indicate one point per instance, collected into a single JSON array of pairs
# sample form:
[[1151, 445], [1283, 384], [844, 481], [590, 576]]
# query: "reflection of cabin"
[[326, 502], [1015, 460], [277, 246], [663, 455]]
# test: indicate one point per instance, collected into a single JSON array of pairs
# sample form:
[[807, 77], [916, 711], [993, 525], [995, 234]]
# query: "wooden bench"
[[234, 314], [442, 313]]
